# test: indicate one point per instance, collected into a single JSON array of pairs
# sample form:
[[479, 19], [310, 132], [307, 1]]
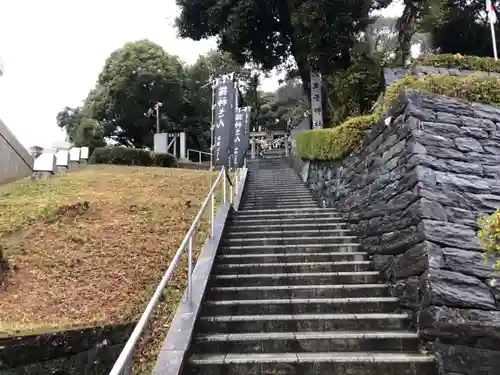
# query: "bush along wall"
[[132, 156], [338, 142], [413, 191]]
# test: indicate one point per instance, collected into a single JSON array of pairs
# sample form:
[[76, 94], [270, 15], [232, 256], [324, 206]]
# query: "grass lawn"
[[89, 247]]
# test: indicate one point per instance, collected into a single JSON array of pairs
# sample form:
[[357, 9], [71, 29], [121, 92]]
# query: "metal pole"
[[212, 214], [157, 117], [236, 180], [127, 369], [212, 127], [224, 187], [494, 39], [190, 269]]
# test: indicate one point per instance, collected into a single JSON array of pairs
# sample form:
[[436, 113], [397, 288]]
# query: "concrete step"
[[286, 210], [289, 257], [298, 278], [262, 268], [278, 195], [279, 226], [286, 233], [284, 180], [301, 306], [303, 323], [306, 240], [265, 221], [312, 214], [301, 363], [270, 205], [299, 291], [290, 248], [282, 342]]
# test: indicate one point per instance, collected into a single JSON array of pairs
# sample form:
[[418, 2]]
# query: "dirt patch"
[[89, 247]]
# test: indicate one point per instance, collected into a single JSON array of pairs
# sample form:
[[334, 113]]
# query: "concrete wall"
[[15, 161], [413, 193]]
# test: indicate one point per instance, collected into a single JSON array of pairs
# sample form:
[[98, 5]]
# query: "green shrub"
[[164, 160], [131, 156], [460, 62], [489, 235], [353, 91], [337, 142]]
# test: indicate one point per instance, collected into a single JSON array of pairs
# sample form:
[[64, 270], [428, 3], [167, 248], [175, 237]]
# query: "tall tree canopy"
[[462, 27], [80, 128], [133, 79], [271, 33]]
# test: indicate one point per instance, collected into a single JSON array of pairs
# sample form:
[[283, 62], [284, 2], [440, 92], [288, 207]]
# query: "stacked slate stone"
[[394, 74], [413, 192]]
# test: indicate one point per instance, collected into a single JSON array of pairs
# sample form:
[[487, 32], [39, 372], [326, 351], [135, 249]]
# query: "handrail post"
[[127, 368], [224, 186], [199, 153], [212, 215], [190, 270], [236, 180]]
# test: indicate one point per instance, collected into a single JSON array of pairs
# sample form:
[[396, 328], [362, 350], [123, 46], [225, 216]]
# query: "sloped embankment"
[[85, 251]]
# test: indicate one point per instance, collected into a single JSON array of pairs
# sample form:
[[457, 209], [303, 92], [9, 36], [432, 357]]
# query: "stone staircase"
[[292, 294]]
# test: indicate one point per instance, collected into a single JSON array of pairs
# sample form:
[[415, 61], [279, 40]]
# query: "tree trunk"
[[407, 26]]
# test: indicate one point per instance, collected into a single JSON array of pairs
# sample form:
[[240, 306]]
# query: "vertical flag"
[[316, 101], [492, 17], [224, 120], [241, 135]]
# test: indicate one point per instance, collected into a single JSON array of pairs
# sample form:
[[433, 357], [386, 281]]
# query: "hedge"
[[460, 62], [338, 142], [131, 156], [489, 236]]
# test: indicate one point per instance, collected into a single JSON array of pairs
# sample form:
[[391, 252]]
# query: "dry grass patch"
[[89, 247]]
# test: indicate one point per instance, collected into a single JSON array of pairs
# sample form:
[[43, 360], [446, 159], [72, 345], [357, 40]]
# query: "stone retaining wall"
[[413, 193], [90, 351]]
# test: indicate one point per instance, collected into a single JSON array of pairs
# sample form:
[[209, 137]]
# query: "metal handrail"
[[199, 154], [123, 364]]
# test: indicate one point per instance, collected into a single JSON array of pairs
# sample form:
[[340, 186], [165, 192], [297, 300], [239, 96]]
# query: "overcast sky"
[[53, 51]]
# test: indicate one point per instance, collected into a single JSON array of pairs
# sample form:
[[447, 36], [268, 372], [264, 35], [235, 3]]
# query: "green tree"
[[462, 28], [275, 33], [81, 129], [417, 15], [278, 109], [134, 78]]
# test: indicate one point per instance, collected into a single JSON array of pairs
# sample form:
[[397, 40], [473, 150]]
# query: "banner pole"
[[493, 38], [212, 125]]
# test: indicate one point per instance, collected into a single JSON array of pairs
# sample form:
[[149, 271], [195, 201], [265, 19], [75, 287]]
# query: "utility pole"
[[157, 108]]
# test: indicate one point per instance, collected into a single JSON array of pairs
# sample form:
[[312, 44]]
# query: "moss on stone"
[[340, 141], [489, 236], [460, 62]]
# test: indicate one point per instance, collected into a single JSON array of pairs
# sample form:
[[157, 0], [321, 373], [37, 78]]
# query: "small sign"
[[316, 100]]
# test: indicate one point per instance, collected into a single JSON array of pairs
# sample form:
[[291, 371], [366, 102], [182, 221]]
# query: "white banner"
[[316, 100]]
